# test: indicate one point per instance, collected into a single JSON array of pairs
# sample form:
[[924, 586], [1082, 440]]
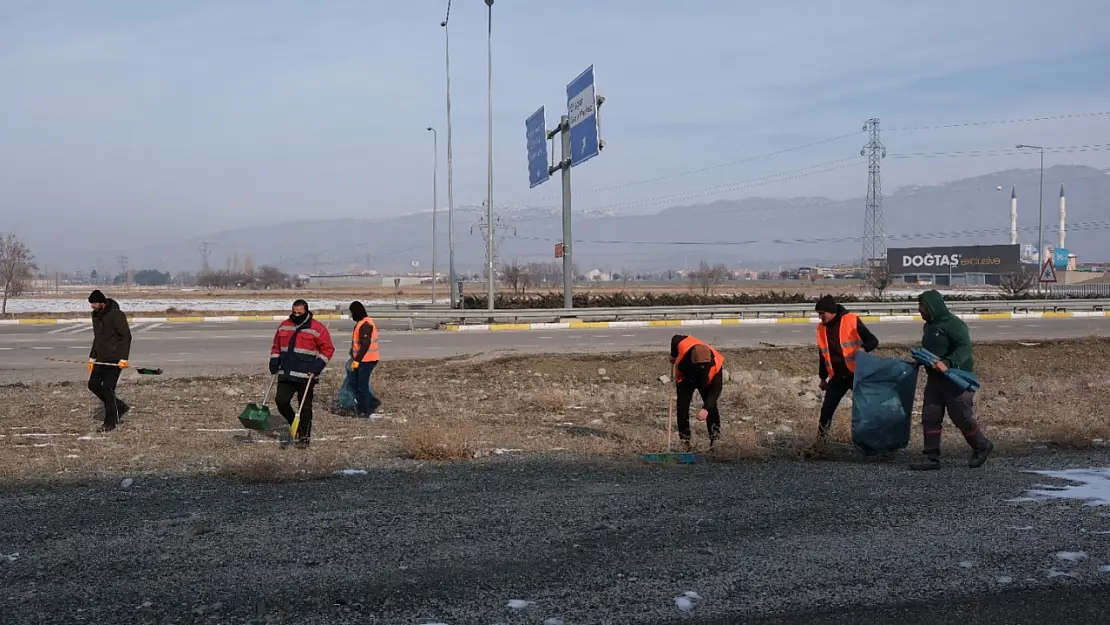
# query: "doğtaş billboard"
[[966, 259]]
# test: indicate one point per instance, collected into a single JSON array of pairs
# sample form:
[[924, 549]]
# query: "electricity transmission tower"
[[500, 229], [205, 249], [874, 240]]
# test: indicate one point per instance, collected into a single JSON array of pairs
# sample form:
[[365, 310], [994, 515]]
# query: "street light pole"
[[489, 179], [450, 168], [1040, 210], [435, 204]]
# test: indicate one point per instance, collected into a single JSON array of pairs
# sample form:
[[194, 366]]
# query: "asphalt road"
[[189, 349], [770, 542]]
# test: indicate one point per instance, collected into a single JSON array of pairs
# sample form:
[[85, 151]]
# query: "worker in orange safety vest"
[[697, 366], [840, 335], [364, 354]]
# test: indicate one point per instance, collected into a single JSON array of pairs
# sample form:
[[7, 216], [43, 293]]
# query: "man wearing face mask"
[[301, 350], [364, 357]]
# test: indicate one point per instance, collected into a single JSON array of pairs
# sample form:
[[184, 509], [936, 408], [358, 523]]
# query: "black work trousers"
[[364, 393], [102, 383], [838, 387], [284, 399], [943, 395], [710, 393]]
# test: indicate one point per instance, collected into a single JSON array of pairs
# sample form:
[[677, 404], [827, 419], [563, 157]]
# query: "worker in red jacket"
[[302, 348]]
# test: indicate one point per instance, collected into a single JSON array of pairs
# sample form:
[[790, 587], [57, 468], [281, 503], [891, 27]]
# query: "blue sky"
[[158, 120]]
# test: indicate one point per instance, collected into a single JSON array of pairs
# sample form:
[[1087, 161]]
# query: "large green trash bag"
[[347, 399], [882, 403]]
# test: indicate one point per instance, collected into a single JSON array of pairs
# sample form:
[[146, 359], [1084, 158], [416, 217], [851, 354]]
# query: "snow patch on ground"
[[59, 305], [1089, 485]]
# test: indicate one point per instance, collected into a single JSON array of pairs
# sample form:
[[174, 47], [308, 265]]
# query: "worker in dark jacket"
[[111, 347], [948, 337], [301, 351], [364, 358], [697, 366], [840, 335]]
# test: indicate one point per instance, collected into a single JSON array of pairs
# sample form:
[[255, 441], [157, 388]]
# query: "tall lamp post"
[[1040, 209], [435, 204], [450, 168], [489, 177]]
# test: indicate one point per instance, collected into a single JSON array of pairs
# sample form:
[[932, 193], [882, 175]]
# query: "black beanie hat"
[[301, 302], [827, 304], [358, 311], [96, 297]]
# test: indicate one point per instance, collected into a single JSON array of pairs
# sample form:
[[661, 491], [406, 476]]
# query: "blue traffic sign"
[[536, 131], [582, 110]]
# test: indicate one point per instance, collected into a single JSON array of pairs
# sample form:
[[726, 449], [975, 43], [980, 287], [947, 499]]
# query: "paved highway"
[[187, 349]]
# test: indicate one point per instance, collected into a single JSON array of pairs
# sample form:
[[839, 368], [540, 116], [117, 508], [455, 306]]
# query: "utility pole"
[[1040, 212], [491, 279], [435, 203], [874, 240], [450, 169]]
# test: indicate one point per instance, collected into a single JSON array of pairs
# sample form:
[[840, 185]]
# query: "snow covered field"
[[20, 305], [79, 304]]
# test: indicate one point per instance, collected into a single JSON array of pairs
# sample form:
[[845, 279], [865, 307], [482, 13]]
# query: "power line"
[[1081, 226], [1024, 120], [1061, 149], [792, 174], [692, 172]]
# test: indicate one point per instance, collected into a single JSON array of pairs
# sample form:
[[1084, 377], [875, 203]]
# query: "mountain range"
[[756, 233]]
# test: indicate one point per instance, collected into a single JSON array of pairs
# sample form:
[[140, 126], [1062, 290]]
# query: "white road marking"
[[151, 327], [42, 348], [60, 330]]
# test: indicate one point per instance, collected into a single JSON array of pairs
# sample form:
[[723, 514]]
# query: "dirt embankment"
[[1055, 393]]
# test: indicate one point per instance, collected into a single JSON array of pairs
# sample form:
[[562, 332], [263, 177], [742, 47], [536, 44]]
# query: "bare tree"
[[708, 278], [1019, 282], [17, 267], [878, 278], [511, 275]]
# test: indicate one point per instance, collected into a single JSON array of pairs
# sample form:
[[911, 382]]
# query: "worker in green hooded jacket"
[[947, 336]]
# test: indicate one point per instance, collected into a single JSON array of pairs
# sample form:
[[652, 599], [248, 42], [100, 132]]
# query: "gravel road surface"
[[585, 542], [205, 349]]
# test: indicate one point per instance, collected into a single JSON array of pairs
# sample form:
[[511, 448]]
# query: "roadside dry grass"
[[1056, 393]]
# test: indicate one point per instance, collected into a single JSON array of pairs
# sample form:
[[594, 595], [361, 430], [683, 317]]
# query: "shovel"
[[257, 416]]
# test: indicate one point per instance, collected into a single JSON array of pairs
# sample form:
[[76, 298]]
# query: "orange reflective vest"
[[371, 353], [685, 346], [850, 342]]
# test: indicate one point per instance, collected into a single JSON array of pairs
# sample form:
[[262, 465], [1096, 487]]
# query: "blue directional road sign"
[[582, 110], [536, 130]]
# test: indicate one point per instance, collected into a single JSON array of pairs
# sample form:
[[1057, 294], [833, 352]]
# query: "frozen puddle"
[[1089, 485]]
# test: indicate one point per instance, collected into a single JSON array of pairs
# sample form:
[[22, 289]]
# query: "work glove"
[[92, 363], [354, 365], [275, 366], [123, 364], [824, 385]]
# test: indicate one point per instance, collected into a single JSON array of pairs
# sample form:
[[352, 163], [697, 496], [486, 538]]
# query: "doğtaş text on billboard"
[[961, 259]]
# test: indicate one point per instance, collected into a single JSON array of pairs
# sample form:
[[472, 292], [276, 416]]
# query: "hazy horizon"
[[129, 123]]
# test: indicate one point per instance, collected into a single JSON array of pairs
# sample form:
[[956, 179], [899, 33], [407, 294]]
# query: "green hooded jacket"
[[945, 334]]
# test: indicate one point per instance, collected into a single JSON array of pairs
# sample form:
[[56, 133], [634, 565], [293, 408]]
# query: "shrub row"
[[626, 300]]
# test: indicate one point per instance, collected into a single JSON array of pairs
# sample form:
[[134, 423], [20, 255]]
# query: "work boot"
[[929, 463], [303, 443], [106, 427], [121, 409], [979, 456]]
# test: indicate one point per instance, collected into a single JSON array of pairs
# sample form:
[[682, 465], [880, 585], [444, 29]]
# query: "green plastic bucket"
[[255, 417]]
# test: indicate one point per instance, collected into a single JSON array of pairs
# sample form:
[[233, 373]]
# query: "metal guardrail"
[[533, 315]]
